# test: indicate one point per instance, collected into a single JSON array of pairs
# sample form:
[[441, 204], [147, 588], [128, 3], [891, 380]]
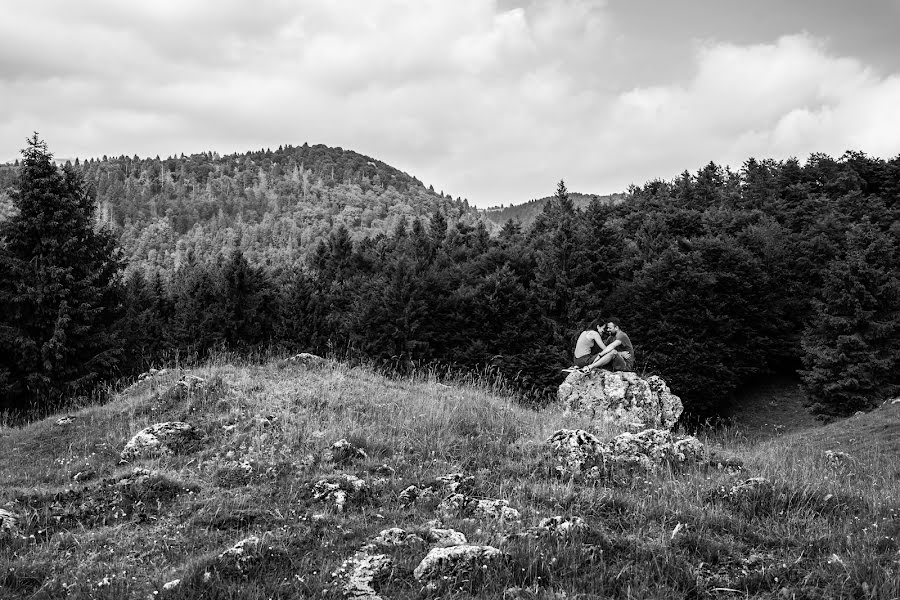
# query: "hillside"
[[276, 205], [527, 212], [92, 528]]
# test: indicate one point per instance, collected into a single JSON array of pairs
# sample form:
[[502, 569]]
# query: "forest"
[[719, 277]]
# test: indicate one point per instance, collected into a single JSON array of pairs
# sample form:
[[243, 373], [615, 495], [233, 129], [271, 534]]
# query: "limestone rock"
[[646, 451], [460, 505], [749, 488], [562, 526], [455, 562], [171, 585], [161, 439], [66, 420], [396, 537], [445, 537], [343, 452], [9, 522], [837, 459], [356, 575], [240, 555], [622, 398], [340, 490], [308, 360]]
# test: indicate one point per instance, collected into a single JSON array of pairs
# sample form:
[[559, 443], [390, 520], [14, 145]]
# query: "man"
[[624, 355]]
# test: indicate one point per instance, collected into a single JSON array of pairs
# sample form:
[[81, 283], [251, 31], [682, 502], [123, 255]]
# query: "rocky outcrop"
[[356, 575], [9, 522], [240, 556], [580, 452], [622, 398], [456, 563], [161, 439]]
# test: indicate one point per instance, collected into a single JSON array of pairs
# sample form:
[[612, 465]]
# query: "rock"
[[383, 469], [396, 537], [460, 505], [356, 575], [445, 537], [749, 488], [343, 452], [622, 398], [340, 490], [240, 555], [171, 585], [84, 475], [837, 459], [162, 439], [409, 495], [9, 522], [66, 420], [893, 401], [452, 482], [306, 359], [455, 562], [183, 388], [562, 526], [646, 451]]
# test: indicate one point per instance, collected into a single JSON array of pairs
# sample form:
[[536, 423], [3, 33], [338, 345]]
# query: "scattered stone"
[[171, 585], [307, 360], [749, 487], [455, 562], [452, 482], [622, 398], [85, 475], [646, 451], [161, 439], [240, 555], [385, 470], [356, 575], [9, 522], [396, 537], [460, 505], [729, 464], [343, 452], [66, 420], [409, 495], [837, 459], [562, 526], [340, 490], [894, 401], [859, 413], [445, 537]]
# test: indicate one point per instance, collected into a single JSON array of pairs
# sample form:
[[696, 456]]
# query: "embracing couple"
[[604, 345]]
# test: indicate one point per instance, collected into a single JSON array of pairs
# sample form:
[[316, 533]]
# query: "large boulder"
[[161, 439], [622, 398]]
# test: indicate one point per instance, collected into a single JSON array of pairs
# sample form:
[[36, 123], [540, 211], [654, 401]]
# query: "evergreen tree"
[[852, 342], [61, 287]]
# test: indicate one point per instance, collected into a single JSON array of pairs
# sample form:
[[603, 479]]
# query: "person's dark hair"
[[615, 321], [594, 324]]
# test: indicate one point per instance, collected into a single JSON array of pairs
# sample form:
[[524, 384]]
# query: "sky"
[[491, 100]]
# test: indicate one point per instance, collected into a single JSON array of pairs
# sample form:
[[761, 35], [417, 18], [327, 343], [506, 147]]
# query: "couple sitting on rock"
[[604, 345]]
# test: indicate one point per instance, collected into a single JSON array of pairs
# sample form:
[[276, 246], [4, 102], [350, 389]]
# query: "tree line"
[[719, 277]]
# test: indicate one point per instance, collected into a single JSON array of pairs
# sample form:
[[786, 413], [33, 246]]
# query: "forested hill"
[[526, 213], [276, 205]]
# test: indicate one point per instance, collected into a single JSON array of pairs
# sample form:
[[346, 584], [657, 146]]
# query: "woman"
[[590, 351]]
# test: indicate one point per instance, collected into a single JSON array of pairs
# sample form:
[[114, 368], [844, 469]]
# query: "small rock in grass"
[[340, 490], [455, 562], [306, 359], [460, 505], [836, 458], [240, 555], [9, 522], [171, 585], [342, 452], [396, 537], [562, 526], [445, 537], [67, 420], [357, 574]]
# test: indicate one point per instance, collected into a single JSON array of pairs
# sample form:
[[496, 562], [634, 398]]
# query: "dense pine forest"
[[719, 277]]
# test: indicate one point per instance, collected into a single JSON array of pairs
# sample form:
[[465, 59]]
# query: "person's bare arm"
[[594, 335]]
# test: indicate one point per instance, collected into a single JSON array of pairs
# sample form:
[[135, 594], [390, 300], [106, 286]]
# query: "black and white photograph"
[[419, 299]]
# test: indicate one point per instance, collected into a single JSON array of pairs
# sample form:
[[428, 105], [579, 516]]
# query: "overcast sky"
[[491, 100]]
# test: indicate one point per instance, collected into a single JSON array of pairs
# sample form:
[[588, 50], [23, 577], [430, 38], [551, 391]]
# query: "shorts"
[[583, 361]]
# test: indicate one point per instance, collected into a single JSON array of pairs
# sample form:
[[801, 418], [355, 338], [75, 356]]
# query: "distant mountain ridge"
[[527, 212]]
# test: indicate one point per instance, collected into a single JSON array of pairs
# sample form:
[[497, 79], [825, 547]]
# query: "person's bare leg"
[[603, 360]]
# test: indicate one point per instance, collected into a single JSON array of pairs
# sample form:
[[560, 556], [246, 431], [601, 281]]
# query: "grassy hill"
[[92, 528]]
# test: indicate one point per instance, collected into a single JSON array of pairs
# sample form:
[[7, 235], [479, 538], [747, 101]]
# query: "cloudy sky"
[[491, 100]]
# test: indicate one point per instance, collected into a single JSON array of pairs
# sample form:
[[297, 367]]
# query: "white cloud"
[[484, 101]]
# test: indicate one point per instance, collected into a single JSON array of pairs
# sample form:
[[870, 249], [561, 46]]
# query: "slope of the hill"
[[89, 527], [277, 205], [527, 212]]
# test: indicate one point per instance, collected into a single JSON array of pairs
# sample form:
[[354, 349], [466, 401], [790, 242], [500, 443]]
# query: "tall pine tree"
[[61, 287]]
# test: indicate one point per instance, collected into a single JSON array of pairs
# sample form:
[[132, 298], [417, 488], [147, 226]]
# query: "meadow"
[[826, 526]]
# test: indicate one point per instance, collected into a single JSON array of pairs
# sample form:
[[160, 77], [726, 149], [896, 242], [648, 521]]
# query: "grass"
[[820, 530]]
